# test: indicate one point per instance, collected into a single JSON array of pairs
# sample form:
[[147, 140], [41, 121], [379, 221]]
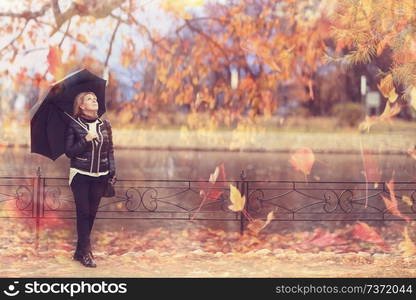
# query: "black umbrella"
[[52, 114]]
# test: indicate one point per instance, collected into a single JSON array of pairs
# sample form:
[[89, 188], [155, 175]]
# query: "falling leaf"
[[412, 153], [257, 225], [391, 204], [270, 217], [407, 200], [214, 189], [237, 201], [386, 85], [363, 231], [303, 160], [392, 96], [213, 177], [407, 246], [371, 169], [390, 111], [367, 123]]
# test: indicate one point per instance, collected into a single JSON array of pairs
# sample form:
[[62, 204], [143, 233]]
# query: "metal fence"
[[41, 198]]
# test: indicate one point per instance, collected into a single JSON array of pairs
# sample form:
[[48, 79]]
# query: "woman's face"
[[90, 103]]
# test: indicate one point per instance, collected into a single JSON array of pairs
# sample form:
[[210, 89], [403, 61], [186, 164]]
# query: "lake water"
[[198, 165]]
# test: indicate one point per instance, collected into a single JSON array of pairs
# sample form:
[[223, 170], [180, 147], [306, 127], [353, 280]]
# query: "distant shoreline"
[[327, 151], [261, 141]]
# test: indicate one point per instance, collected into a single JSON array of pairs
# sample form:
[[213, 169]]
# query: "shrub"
[[348, 114]]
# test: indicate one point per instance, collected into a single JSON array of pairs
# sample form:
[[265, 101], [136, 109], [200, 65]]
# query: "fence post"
[[37, 206], [243, 190]]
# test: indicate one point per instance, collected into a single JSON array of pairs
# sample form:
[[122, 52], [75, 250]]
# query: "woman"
[[89, 145]]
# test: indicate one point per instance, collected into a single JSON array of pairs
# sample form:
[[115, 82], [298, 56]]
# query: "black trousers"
[[87, 191]]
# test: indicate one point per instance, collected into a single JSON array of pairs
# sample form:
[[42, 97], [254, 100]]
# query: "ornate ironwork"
[[16, 199], [24, 198], [202, 200], [318, 203]]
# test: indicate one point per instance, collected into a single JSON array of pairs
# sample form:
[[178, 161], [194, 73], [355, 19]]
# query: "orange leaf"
[[213, 190], [371, 169], [407, 246], [303, 160], [386, 85], [323, 238], [81, 38], [55, 62], [391, 204], [412, 153], [258, 225], [364, 232], [219, 173]]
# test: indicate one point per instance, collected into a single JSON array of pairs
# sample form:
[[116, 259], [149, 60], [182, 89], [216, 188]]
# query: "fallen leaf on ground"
[[407, 246], [363, 231]]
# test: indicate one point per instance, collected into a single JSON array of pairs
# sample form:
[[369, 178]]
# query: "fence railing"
[[41, 198]]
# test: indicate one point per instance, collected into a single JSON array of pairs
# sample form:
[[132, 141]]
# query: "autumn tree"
[[231, 58], [63, 33], [380, 33], [228, 58]]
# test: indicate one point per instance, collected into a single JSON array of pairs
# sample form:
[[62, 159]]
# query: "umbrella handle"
[[82, 125]]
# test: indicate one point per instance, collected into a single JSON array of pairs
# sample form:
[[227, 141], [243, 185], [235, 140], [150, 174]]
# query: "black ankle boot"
[[77, 256], [87, 260]]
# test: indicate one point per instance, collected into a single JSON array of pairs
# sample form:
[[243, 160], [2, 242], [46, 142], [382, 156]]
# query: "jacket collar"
[[84, 124]]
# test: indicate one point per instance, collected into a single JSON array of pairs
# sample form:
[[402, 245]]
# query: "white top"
[[73, 171]]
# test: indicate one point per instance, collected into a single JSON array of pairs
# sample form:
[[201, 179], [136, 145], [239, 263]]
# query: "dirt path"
[[260, 263]]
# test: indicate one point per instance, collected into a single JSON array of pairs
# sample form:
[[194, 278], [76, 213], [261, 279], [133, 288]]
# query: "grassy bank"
[[321, 135]]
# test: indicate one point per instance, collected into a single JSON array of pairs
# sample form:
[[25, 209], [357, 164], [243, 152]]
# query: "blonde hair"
[[79, 99]]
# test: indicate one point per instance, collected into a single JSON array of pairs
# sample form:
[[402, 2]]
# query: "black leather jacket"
[[90, 156]]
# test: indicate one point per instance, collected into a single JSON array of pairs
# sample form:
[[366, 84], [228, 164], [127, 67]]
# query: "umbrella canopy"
[[51, 115]]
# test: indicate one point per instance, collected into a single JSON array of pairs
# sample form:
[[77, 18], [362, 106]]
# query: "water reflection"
[[197, 165]]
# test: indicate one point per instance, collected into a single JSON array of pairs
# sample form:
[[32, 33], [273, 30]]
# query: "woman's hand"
[[113, 180], [91, 135]]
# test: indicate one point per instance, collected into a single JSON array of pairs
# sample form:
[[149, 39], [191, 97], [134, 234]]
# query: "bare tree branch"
[[11, 43], [66, 33], [60, 17], [111, 43], [149, 35], [96, 8], [28, 15], [207, 37]]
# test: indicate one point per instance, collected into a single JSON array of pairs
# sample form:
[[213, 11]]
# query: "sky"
[[154, 17], [35, 60]]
